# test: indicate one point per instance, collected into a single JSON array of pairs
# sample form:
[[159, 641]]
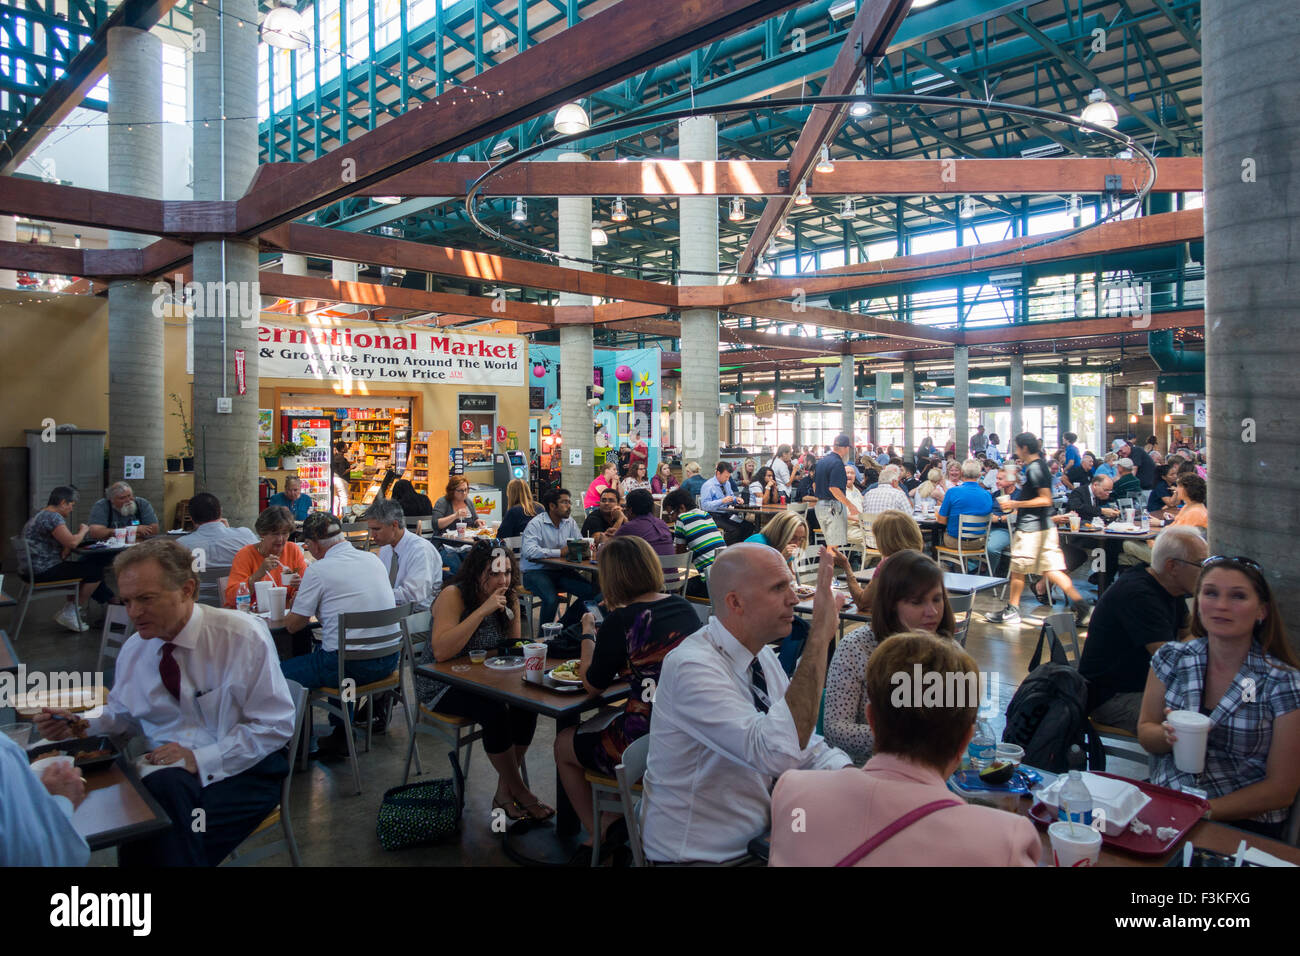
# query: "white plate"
[[562, 680], [504, 663]]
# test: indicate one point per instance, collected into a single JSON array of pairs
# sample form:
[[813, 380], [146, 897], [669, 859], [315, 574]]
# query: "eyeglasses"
[[488, 543]]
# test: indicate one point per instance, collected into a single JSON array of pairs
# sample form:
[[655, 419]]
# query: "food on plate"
[[78, 726], [997, 774], [93, 755], [46, 756], [567, 671], [805, 590]]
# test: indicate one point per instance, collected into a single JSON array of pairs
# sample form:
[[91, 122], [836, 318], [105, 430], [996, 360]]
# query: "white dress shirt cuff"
[[208, 759]]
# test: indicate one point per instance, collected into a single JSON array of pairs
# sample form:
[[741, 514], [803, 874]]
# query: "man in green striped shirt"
[[694, 530]]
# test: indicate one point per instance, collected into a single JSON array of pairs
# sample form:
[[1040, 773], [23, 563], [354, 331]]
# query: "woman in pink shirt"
[[855, 817], [608, 478]]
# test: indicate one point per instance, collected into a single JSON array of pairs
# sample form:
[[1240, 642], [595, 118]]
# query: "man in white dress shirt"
[[727, 720], [201, 685], [342, 580], [219, 541]]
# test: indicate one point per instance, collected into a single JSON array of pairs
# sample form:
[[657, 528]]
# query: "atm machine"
[[507, 466]]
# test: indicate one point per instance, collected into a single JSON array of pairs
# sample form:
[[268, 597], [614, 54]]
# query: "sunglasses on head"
[[488, 543], [1217, 559]]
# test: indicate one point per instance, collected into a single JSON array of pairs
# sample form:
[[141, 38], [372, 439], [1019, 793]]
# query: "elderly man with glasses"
[[120, 508]]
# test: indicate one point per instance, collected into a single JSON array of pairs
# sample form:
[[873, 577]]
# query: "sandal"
[[550, 812], [505, 807]]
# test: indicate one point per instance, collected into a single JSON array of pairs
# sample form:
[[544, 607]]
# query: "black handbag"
[[419, 814]]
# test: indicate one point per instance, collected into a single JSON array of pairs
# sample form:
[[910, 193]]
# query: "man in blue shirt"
[[967, 497], [1072, 456], [36, 812], [547, 536], [717, 496], [293, 499], [829, 482]]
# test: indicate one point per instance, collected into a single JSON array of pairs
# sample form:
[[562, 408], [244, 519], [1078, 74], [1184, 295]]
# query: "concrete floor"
[[335, 827]]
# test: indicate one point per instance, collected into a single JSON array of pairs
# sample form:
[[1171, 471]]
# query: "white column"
[[848, 394], [961, 398], [909, 410], [576, 351], [1017, 403], [292, 264], [698, 140]]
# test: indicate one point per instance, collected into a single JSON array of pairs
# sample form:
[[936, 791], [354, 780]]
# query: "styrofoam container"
[[1120, 801]]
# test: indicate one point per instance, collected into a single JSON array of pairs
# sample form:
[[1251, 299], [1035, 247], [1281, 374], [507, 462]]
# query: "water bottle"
[[243, 599], [1146, 522], [1075, 804], [983, 747]]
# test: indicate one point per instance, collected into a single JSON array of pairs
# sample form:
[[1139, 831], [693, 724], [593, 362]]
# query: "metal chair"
[[117, 628], [528, 601], [629, 774], [212, 585], [362, 649], [245, 857], [67, 587], [962, 602], [607, 796], [1111, 737], [677, 572], [420, 526], [358, 534], [969, 527], [1060, 626], [806, 563], [703, 608]]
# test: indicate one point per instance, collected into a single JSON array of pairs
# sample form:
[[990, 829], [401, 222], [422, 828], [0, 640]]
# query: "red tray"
[[1168, 808]]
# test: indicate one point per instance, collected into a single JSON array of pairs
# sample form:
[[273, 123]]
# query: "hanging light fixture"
[[785, 232], [284, 29], [848, 208], [618, 211], [1132, 419], [502, 147], [801, 198], [1110, 419], [737, 211], [387, 200], [571, 118], [1076, 206], [824, 165], [519, 212], [967, 208], [1099, 112], [860, 109], [598, 237]]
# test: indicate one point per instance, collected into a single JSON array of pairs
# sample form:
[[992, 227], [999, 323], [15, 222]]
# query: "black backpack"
[[1049, 713]]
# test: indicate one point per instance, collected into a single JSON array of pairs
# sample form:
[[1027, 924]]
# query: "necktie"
[[170, 671], [392, 570], [758, 686]]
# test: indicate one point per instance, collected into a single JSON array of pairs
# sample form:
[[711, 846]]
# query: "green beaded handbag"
[[418, 814]]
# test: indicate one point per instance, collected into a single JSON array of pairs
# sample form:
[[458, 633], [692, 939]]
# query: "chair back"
[[805, 563], [23, 555], [117, 628], [358, 534], [299, 695], [677, 571], [973, 526], [212, 585], [1060, 627], [628, 773], [961, 602], [865, 519], [392, 637], [515, 544]]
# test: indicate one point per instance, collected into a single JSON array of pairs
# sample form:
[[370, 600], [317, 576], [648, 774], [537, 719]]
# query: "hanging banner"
[[240, 378], [340, 352]]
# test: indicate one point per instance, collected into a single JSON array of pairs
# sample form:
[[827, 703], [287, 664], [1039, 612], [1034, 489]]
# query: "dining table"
[[1089, 537], [118, 807], [538, 843]]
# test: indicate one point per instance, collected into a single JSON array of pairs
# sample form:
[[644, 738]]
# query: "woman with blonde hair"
[[933, 487], [787, 533], [893, 531], [520, 509]]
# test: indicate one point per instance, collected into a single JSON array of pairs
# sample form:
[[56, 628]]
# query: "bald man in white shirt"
[[727, 720], [202, 686]]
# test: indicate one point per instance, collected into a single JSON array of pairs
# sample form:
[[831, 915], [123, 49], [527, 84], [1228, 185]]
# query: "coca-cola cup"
[[119, 534], [130, 535], [534, 662]]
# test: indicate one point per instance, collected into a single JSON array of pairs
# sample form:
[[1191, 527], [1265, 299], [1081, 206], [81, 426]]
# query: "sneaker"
[[1008, 615], [1081, 611], [67, 616]]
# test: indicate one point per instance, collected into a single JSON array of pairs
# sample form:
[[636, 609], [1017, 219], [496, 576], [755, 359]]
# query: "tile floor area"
[[334, 827]]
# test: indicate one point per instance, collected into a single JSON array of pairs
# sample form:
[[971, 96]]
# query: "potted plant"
[[271, 458], [173, 463], [288, 453], [186, 462]]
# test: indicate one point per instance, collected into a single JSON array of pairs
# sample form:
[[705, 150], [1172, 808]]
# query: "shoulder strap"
[[902, 823]]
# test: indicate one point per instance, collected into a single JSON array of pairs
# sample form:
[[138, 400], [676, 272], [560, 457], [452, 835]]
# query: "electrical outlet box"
[[225, 406]]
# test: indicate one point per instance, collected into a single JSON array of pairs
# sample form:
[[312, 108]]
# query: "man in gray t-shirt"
[[119, 508], [979, 441]]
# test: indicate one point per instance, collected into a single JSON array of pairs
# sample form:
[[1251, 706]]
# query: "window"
[[175, 84], [764, 434], [819, 426]]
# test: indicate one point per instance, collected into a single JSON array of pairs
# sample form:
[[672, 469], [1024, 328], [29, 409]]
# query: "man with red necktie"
[[202, 685]]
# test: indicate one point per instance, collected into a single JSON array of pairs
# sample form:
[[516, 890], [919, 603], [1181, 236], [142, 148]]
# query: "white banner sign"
[[377, 352]]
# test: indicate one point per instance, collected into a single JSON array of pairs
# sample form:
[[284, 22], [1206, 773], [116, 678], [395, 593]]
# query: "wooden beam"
[[1082, 328], [374, 295], [795, 343], [867, 40], [1162, 229], [619, 41], [849, 321]]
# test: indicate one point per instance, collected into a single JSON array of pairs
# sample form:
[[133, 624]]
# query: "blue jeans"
[[547, 585], [320, 668], [996, 545], [451, 561]]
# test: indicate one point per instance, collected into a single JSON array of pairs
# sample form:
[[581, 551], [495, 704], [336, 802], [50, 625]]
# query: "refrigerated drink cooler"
[[316, 435]]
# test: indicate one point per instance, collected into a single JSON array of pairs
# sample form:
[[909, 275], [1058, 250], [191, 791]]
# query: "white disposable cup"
[[261, 593], [40, 766], [1003, 500], [120, 535], [534, 662], [130, 535], [1193, 731], [275, 601], [1128, 515], [1074, 522], [1074, 844], [289, 579]]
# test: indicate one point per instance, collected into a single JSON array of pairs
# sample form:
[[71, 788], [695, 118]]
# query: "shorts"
[[833, 518], [1036, 552]]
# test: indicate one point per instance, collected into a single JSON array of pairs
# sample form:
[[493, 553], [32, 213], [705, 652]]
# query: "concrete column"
[[884, 391], [137, 403], [292, 264], [909, 410], [698, 140], [225, 158], [1159, 407], [8, 233], [961, 398], [848, 394], [1017, 403], [1252, 282], [576, 352]]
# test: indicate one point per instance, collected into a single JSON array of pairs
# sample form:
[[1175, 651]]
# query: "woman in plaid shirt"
[[1238, 670]]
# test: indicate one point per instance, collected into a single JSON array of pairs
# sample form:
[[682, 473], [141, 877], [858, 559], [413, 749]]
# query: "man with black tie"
[[1090, 501], [202, 686]]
